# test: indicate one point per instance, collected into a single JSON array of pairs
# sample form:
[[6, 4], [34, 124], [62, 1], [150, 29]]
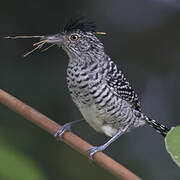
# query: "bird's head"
[[78, 38]]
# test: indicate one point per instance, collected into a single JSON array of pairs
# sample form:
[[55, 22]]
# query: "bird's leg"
[[65, 128], [92, 150]]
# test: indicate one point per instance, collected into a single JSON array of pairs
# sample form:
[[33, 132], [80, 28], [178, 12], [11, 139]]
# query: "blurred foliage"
[[173, 144], [16, 165]]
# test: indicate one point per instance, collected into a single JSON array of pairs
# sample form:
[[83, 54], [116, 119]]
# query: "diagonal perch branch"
[[69, 138]]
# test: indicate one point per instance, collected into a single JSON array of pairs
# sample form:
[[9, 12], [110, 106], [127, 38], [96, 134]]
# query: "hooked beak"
[[54, 39]]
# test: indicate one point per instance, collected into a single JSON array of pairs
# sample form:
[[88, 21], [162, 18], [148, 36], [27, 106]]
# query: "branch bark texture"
[[69, 138]]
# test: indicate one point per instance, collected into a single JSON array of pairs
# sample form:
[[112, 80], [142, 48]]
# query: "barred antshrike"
[[99, 89]]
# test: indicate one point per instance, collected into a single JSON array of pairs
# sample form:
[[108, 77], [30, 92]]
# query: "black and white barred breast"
[[103, 96]]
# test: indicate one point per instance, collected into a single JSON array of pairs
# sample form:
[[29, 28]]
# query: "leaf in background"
[[15, 165], [172, 141]]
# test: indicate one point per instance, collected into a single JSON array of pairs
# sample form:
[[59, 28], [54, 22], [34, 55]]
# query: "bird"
[[97, 86]]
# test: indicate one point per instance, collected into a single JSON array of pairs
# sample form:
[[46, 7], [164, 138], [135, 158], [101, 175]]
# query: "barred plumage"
[[159, 127], [98, 88], [103, 85]]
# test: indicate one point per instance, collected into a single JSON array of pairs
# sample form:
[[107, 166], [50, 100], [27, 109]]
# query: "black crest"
[[80, 22]]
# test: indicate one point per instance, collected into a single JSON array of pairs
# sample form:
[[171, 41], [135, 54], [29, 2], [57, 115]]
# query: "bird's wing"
[[117, 82]]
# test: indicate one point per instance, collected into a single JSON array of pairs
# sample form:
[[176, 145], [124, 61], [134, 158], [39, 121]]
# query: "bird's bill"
[[54, 39]]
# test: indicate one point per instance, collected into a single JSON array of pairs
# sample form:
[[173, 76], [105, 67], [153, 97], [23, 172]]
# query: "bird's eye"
[[74, 37]]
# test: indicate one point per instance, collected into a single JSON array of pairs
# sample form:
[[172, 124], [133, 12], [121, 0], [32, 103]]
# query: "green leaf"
[[15, 165], [172, 141]]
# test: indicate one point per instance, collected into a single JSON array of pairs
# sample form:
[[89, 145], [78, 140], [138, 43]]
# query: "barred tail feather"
[[159, 127]]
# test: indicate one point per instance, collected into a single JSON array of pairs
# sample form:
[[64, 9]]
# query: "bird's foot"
[[62, 130], [94, 149]]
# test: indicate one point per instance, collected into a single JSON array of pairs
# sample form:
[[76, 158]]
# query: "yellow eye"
[[74, 37]]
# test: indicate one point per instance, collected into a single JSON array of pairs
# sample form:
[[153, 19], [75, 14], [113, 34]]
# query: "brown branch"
[[69, 138]]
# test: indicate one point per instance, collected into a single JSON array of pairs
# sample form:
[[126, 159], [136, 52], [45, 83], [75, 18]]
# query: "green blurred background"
[[143, 37]]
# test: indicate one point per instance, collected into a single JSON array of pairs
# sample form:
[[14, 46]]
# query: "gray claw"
[[62, 130], [92, 150]]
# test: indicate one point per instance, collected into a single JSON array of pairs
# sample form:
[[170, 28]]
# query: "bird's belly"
[[97, 119], [89, 113]]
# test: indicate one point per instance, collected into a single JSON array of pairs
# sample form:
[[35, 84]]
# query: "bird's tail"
[[159, 127]]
